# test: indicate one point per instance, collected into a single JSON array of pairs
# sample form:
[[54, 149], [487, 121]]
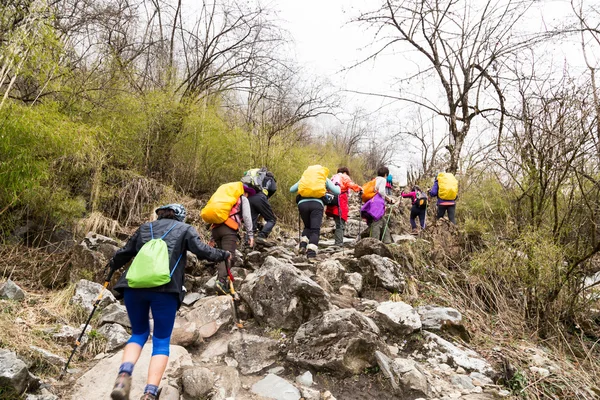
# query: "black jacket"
[[183, 237]]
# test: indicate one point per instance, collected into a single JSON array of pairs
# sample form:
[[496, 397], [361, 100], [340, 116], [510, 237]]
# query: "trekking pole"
[[359, 220], [235, 300], [96, 303]]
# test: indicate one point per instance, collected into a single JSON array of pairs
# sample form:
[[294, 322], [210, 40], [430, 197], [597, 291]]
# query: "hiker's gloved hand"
[[111, 265], [211, 243], [226, 256]]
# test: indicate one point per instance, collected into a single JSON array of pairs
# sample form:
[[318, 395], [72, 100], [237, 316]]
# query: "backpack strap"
[[176, 264], [166, 233], [151, 232]]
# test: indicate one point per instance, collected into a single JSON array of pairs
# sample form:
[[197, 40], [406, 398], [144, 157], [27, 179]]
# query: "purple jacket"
[[434, 192], [374, 208]]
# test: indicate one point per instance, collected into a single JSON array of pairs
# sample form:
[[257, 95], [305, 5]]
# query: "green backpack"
[[150, 268]]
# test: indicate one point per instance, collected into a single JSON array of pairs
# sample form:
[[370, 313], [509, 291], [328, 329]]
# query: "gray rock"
[[310, 394], [347, 290], [355, 280], [169, 392], [185, 333], [67, 334], [403, 238], [306, 379], [276, 370], [216, 349], [191, 298], [49, 357], [354, 227], [14, 376], [96, 384], [342, 341], [438, 318], [211, 285], [254, 353], [227, 383], [327, 396], [331, 271], [274, 387], [10, 290], [115, 314], [93, 240], [116, 336], [384, 364], [281, 296], [415, 383], [86, 293], [369, 246], [44, 394], [210, 314], [382, 271], [398, 317], [197, 382], [463, 382], [466, 358]]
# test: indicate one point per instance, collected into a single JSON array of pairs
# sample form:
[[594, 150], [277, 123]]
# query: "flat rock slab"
[[274, 387], [97, 383]]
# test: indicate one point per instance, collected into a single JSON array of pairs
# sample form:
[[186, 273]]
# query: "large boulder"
[[342, 341], [185, 333], [14, 376], [227, 383], [115, 314], [210, 314], [370, 245], [86, 293], [382, 271], [354, 227], [443, 319], [355, 280], [10, 290], [331, 271], [254, 353], [96, 384], [281, 296], [398, 317], [116, 336], [197, 382]]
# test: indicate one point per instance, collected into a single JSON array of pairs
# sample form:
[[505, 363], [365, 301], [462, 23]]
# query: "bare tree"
[[462, 45]]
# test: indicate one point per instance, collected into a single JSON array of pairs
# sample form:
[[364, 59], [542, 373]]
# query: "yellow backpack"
[[220, 204], [313, 181], [447, 186]]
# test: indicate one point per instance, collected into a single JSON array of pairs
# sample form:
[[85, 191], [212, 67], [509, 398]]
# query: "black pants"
[[260, 206], [415, 212], [225, 239], [311, 213], [442, 210]]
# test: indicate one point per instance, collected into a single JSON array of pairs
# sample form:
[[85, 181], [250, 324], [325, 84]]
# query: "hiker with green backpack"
[[312, 188], [154, 281]]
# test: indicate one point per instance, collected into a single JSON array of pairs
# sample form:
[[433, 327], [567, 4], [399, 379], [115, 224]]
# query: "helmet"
[[178, 209]]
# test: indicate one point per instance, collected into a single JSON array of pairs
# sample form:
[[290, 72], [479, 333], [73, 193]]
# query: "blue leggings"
[[164, 307]]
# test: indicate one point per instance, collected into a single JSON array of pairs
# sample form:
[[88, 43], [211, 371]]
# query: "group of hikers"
[[155, 279]]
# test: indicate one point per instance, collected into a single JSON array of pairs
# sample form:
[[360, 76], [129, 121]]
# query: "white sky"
[[325, 43]]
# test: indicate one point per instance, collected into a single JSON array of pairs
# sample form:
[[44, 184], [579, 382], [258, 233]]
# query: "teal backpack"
[[150, 268]]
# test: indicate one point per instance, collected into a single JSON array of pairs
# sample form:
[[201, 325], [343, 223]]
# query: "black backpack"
[[421, 199]]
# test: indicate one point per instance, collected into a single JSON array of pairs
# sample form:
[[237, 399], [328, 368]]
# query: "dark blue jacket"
[[180, 239]]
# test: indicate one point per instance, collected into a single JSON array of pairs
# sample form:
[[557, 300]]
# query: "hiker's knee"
[[160, 346], [139, 338]]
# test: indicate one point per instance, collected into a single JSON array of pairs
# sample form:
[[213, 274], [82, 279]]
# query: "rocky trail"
[[334, 329]]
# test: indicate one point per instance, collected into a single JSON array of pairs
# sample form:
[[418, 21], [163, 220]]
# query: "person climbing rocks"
[[226, 211], [340, 212], [418, 209], [380, 228], [445, 188], [389, 185], [311, 188], [176, 239], [265, 184]]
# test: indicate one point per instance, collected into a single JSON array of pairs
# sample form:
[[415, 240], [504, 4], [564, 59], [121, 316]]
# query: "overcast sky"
[[325, 42]]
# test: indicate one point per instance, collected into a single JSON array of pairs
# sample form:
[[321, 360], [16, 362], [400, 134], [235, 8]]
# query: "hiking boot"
[[223, 288], [414, 232], [122, 387], [302, 250], [148, 396]]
